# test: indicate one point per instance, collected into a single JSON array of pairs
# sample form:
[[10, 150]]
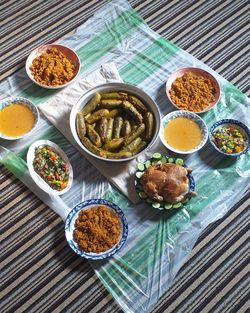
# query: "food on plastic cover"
[[192, 92], [16, 120], [52, 68], [115, 125], [182, 134], [97, 229], [164, 182], [50, 166], [229, 139], [159, 241]]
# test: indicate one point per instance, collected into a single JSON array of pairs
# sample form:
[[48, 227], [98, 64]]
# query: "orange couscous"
[[52, 68], [192, 92], [97, 229]]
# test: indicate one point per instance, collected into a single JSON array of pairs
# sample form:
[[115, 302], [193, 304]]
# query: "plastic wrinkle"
[[125, 264]]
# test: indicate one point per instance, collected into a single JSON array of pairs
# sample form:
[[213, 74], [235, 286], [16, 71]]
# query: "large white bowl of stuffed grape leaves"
[[115, 122]]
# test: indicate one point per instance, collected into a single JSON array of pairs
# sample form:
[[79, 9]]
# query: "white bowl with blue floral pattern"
[[70, 226], [191, 116], [12, 100]]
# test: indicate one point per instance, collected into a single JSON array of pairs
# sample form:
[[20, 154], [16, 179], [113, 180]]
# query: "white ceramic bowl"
[[70, 226], [197, 71], [192, 116], [115, 87], [69, 53], [38, 179], [12, 100]]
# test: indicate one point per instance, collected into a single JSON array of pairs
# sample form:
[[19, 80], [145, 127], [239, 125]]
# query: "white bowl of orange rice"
[[53, 66], [193, 89]]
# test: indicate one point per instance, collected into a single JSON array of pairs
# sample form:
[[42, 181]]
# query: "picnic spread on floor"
[[169, 135]]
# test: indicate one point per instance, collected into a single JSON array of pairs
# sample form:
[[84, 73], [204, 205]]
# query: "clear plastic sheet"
[[158, 241]]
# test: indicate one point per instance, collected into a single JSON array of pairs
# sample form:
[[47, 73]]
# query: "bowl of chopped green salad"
[[230, 137], [49, 167], [164, 182]]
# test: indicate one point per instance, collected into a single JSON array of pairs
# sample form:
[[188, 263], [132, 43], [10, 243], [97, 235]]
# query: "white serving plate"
[[37, 179]]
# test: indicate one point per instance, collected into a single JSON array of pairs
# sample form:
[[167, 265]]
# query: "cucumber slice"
[[141, 167], [142, 195], [168, 206], [185, 201], [170, 160], [157, 156], [148, 164], [139, 174], [163, 160], [177, 205], [156, 205], [148, 200], [179, 162]]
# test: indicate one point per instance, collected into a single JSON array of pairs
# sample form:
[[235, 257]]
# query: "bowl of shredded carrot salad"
[[52, 66], [193, 89]]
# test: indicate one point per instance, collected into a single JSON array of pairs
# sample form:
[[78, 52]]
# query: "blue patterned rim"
[[69, 227], [12, 100], [191, 116], [191, 182], [225, 122]]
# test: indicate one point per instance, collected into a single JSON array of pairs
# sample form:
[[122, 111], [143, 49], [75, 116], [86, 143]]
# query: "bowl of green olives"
[[115, 122]]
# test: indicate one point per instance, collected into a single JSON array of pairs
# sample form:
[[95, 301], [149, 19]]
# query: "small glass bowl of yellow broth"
[[18, 117], [183, 132]]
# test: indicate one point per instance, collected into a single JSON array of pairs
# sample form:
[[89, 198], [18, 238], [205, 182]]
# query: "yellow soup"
[[182, 134], [16, 120]]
